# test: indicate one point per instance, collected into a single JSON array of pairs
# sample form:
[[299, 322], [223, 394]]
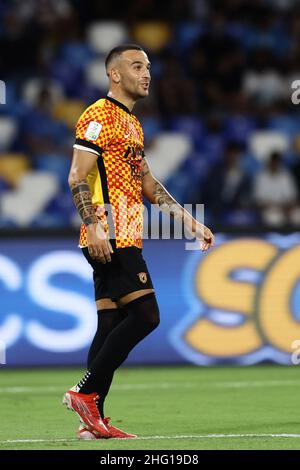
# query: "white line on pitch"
[[124, 387], [164, 385], [143, 438]]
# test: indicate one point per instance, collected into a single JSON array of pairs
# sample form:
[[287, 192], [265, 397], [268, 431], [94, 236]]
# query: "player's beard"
[[138, 92], [134, 88], [141, 91]]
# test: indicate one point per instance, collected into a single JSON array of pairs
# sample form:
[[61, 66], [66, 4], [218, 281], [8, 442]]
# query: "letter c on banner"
[[274, 307]]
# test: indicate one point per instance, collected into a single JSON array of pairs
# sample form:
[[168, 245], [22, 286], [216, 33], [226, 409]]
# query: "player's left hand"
[[206, 238]]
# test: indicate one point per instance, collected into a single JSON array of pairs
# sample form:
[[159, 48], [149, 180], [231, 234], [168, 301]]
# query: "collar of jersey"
[[117, 103]]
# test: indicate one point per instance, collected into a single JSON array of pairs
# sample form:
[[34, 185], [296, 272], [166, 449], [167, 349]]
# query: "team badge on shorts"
[[143, 277]]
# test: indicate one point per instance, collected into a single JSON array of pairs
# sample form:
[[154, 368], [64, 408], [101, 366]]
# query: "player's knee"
[[146, 311], [150, 312], [153, 319], [151, 322]]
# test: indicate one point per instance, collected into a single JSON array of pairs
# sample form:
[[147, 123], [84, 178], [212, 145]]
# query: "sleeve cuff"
[[82, 144]]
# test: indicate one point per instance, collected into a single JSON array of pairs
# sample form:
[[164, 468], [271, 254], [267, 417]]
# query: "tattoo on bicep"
[[165, 202], [83, 201]]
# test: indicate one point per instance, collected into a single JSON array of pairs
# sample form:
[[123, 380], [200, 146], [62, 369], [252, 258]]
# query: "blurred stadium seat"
[[104, 35], [13, 166], [68, 112], [95, 74], [33, 87], [263, 143], [153, 35], [34, 191], [167, 152], [8, 132], [57, 164]]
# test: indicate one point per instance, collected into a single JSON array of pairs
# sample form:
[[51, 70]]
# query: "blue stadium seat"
[[239, 127], [54, 163], [76, 54], [58, 212], [285, 123], [188, 33], [70, 77], [151, 127], [192, 126], [212, 146]]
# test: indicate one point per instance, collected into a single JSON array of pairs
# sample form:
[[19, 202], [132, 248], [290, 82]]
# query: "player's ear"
[[114, 75]]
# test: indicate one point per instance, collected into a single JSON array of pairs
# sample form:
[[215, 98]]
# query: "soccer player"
[[108, 176]]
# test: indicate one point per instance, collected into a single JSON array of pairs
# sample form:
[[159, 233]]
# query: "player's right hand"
[[99, 246]]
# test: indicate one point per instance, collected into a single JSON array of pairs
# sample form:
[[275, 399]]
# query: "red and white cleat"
[[116, 432], [89, 434], [85, 405]]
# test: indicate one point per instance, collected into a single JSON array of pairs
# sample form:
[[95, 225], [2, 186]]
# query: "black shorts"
[[126, 272]]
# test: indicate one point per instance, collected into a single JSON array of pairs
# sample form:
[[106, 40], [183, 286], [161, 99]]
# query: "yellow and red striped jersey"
[[108, 129]]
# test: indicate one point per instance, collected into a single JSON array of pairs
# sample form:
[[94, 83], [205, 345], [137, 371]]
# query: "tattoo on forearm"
[[83, 201], [145, 169], [166, 202]]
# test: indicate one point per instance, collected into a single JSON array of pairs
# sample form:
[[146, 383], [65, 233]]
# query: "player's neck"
[[124, 99]]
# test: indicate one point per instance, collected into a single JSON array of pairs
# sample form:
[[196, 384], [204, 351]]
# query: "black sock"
[[108, 319], [142, 318]]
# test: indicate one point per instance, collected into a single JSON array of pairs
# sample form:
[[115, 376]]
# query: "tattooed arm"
[[98, 245], [156, 193], [83, 201]]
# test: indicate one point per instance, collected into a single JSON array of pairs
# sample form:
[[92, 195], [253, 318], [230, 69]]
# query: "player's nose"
[[146, 74]]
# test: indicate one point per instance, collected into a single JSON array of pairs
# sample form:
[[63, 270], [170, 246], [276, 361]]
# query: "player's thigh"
[[130, 277], [100, 276], [132, 296], [105, 304]]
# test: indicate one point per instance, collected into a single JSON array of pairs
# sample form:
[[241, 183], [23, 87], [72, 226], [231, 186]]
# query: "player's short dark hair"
[[118, 50]]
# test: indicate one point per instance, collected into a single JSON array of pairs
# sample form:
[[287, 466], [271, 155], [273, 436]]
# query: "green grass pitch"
[[169, 408]]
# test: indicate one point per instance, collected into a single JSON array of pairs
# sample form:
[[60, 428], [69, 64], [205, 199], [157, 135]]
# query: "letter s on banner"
[[218, 290], [11, 276]]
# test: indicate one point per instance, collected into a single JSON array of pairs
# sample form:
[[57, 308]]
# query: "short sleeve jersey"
[[108, 129]]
